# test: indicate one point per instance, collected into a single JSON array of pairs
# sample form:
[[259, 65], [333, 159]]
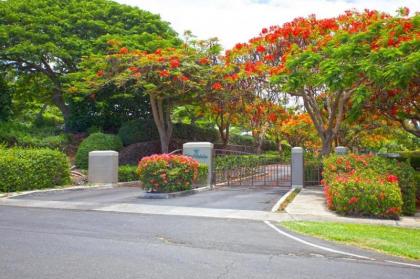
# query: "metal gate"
[[235, 168]]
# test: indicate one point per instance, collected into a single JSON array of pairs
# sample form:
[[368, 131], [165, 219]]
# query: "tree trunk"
[[162, 118], [326, 145], [58, 100]]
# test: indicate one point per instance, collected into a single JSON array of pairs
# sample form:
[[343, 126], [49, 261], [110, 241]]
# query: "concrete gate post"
[[202, 152], [297, 167], [103, 167]]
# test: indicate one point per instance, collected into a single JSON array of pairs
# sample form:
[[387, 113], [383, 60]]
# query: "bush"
[[413, 157], [203, 171], [380, 169], [241, 140], [168, 173], [97, 141], [128, 173], [145, 130], [194, 133], [27, 169], [138, 131], [25, 135]]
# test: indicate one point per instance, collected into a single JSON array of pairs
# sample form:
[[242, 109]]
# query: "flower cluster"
[[168, 173]]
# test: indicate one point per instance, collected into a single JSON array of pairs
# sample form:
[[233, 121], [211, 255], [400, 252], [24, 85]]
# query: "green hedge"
[[27, 169], [202, 174], [128, 173], [97, 141], [145, 130]]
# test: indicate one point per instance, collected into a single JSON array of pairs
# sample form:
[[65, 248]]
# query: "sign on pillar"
[[203, 153]]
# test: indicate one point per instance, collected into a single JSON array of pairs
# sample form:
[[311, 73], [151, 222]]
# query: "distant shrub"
[[145, 130], [27, 169], [127, 173], [25, 135], [97, 141], [241, 140], [168, 173], [138, 131]]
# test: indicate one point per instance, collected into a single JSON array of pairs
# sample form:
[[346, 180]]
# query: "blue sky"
[[235, 21]]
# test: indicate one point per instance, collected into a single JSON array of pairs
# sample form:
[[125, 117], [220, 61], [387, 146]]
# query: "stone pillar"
[[103, 167], [297, 167], [341, 150], [202, 152]]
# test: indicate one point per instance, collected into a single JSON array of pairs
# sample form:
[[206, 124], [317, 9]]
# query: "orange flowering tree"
[[263, 115], [332, 64], [170, 77]]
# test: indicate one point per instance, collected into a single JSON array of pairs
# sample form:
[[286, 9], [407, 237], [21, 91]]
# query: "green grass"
[[403, 242]]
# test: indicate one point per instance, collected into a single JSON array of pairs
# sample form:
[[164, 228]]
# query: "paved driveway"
[[237, 197]]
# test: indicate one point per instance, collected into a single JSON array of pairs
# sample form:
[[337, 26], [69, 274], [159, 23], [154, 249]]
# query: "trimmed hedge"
[[145, 130], [168, 173], [28, 169], [97, 141], [371, 172], [127, 173], [202, 174]]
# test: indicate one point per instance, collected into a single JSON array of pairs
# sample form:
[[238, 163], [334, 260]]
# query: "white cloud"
[[235, 21]]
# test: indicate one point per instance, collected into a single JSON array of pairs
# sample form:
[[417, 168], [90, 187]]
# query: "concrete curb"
[[174, 194], [306, 206], [282, 200]]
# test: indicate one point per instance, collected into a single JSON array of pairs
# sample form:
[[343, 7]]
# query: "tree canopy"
[[50, 37]]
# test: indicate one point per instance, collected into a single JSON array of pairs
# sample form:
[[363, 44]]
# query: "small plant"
[[168, 173], [127, 173], [96, 141]]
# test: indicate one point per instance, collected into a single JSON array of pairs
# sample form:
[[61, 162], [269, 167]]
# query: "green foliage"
[[168, 173], [27, 169], [47, 39], [363, 175], [138, 131], [97, 141], [25, 135], [241, 140], [202, 174], [5, 99], [194, 133], [108, 109], [145, 130], [413, 157], [128, 173]]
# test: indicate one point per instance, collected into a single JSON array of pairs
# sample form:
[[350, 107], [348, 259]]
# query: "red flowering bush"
[[364, 185], [168, 173], [363, 193]]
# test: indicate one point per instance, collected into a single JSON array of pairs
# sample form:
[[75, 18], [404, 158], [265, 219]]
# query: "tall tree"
[[331, 64], [50, 37]]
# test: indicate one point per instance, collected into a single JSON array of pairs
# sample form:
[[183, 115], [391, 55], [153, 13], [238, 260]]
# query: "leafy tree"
[[170, 77], [49, 38], [331, 64], [5, 99]]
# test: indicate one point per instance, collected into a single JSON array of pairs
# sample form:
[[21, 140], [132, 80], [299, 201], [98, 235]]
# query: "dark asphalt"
[[44, 243], [239, 197]]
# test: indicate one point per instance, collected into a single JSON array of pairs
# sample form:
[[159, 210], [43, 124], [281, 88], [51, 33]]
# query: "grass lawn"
[[404, 242]]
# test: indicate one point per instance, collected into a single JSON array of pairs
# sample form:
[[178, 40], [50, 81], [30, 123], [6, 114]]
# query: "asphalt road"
[[46, 243]]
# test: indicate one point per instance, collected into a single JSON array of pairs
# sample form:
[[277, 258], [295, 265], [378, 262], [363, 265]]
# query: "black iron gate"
[[235, 168]]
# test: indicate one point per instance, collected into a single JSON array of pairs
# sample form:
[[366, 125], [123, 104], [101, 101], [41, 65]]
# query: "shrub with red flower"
[[168, 173], [217, 86], [360, 185]]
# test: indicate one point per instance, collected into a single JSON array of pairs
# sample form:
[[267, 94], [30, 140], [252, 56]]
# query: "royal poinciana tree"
[[332, 64], [169, 77]]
